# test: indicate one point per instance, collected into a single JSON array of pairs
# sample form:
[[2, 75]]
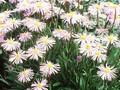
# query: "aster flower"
[[26, 75], [86, 48], [71, 17], [107, 72], [99, 55], [17, 57], [110, 39], [40, 85], [61, 34], [46, 42], [82, 37], [35, 52], [42, 7], [12, 23], [24, 5], [48, 68], [10, 45], [34, 24], [23, 37]]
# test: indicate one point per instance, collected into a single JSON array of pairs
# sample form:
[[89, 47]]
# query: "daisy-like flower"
[[87, 48], [40, 85], [23, 37], [61, 34], [34, 24], [48, 68], [110, 39], [46, 42], [26, 75], [71, 17], [17, 57], [42, 7], [24, 5], [107, 72], [12, 23], [11, 44], [99, 55], [35, 52], [82, 37]]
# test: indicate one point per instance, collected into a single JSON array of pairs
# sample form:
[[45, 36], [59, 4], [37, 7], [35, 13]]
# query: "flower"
[[99, 55], [11, 44], [12, 23], [41, 7], [35, 52], [110, 39], [107, 72], [17, 57], [46, 42], [61, 34], [49, 68], [26, 75], [71, 17], [40, 85], [86, 48], [25, 36], [24, 5], [83, 37], [34, 24]]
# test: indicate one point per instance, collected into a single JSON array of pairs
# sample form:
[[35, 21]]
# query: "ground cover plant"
[[59, 45]]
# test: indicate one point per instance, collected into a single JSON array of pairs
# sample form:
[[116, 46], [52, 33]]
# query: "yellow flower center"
[[36, 50], [71, 14], [88, 46], [37, 23], [10, 41], [83, 37], [25, 3], [107, 70], [26, 72], [18, 56], [50, 65], [45, 40], [98, 6], [98, 53], [38, 4], [111, 38], [40, 85]]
